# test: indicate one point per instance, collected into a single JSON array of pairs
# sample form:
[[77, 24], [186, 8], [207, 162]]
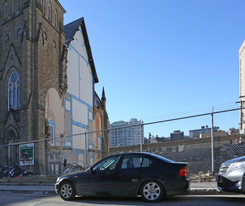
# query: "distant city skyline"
[[165, 59]]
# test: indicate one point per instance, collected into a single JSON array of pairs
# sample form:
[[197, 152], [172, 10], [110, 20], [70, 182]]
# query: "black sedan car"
[[231, 176], [127, 175]]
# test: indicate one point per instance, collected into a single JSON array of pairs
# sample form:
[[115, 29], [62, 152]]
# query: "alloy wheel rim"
[[66, 191], [151, 191]]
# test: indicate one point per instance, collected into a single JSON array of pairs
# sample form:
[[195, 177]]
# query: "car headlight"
[[237, 165], [58, 179]]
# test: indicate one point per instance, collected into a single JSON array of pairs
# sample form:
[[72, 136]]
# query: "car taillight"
[[183, 172]]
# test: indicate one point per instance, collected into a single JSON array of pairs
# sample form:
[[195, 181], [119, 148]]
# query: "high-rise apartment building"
[[242, 86], [126, 133]]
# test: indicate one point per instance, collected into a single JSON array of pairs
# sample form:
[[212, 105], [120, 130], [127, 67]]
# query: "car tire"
[[243, 184], [152, 191], [67, 191]]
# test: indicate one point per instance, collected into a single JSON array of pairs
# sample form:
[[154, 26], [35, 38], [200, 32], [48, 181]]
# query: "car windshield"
[[108, 163]]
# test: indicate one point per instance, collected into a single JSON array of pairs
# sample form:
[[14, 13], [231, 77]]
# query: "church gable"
[[81, 70], [72, 31], [78, 43], [12, 60]]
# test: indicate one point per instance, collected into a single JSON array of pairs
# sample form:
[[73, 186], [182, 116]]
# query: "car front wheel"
[[152, 191], [67, 191]]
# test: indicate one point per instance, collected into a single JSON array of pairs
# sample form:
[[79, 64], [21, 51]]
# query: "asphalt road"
[[17, 199]]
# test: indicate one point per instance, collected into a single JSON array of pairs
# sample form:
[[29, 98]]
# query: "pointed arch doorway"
[[11, 152]]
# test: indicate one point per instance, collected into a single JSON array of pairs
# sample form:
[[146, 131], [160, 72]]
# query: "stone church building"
[[47, 78]]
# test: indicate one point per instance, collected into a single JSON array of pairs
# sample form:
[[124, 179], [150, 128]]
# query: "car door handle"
[[110, 173], [125, 177]]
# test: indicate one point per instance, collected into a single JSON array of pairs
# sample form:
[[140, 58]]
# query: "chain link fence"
[[205, 141]]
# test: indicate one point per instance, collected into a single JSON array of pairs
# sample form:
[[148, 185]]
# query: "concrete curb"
[[28, 184], [2, 191], [29, 188]]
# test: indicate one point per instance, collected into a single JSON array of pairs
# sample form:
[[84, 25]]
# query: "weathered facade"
[[100, 126], [47, 79], [81, 145], [32, 64]]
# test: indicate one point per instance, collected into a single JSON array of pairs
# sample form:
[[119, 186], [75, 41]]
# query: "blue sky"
[[164, 58]]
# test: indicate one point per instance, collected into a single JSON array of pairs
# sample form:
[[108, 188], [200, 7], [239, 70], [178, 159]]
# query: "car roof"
[[148, 154]]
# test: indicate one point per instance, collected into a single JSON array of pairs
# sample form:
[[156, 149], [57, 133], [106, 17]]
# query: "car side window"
[[106, 164], [146, 162], [131, 161]]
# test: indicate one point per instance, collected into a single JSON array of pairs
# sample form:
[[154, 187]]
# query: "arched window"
[[14, 91], [56, 19], [20, 4], [44, 6], [13, 6], [6, 10], [49, 11], [52, 130]]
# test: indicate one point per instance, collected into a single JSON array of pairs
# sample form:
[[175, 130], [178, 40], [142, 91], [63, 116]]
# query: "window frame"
[[56, 19], [14, 92], [6, 10], [52, 127], [97, 168], [50, 11], [126, 157], [13, 6], [20, 5]]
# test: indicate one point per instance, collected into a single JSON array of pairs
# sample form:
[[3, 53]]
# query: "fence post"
[[44, 157], [212, 141], [9, 157], [62, 153], [141, 139], [85, 163]]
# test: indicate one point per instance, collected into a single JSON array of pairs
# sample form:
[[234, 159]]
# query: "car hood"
[[239, 159], [72, 175]]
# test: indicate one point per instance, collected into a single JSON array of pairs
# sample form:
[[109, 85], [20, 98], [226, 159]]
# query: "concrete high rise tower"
[[242, 87]]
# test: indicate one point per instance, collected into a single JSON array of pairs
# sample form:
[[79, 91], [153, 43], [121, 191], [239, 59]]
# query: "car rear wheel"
[[152, 191], [67, 191]]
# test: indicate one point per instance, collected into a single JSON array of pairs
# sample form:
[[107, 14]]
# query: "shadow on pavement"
[[173, 200]]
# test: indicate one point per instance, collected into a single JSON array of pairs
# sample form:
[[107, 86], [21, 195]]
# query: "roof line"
[[59, 4], [72, 31], [90, 56]]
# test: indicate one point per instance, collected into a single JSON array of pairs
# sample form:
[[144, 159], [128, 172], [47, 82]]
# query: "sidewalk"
[[199, 188], [33, 189]]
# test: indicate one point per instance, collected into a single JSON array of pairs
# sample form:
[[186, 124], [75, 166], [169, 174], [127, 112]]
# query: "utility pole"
[[142, 137], [212, 140], [241, 113]]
